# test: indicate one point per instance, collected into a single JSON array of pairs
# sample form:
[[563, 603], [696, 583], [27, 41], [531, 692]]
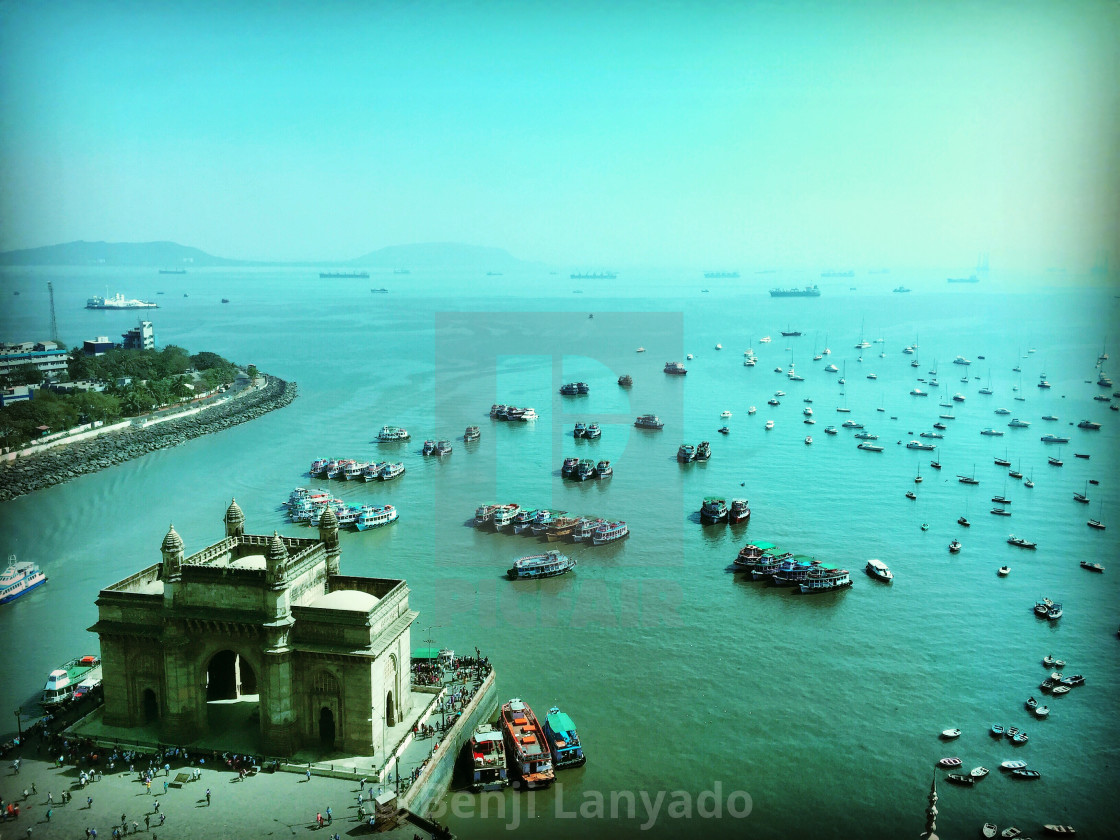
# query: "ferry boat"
[[585, 528], [878, 569], [527, 414], [560, 527], [807, 291], [472, 433], [504, 515], [119, 301], [524, 520], [675, 368], [607, 532], [826, 580], [483, 514], [603, 469], [19, 578], [392, 433], [568, 468], [318, 466], [703, 451], [573, 389], [533, 566], [62, 681], [593, 431], [390, 471], [649, 421], [585, 469], [625, 381], [526, 745], [429, 448], [353, 470], [542, 520], [713, 510], [488, 757], [443, 447], [373, 516], [740, 511], [580, 430]]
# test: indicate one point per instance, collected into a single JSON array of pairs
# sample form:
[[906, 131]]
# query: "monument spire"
[[931, 812]]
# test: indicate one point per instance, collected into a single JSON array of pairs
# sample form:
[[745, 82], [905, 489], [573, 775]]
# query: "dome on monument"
[[234, 514], [172, 542], [345, 599], [277, 552], [329, 519]]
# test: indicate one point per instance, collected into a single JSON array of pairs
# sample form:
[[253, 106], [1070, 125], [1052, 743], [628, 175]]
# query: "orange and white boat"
[[526, 748]]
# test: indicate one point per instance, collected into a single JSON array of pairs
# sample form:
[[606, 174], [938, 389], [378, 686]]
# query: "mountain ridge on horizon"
[[166, 254]]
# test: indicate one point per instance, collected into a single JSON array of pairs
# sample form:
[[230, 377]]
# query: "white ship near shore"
[[119, 301]]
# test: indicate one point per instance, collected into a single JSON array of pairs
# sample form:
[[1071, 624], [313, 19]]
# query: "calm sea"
[[681, 675]]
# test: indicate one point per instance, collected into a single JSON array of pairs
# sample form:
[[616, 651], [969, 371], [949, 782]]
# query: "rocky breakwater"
[[62, 463]]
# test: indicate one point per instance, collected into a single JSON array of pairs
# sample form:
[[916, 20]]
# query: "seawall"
[[437, 774], [56, 466]]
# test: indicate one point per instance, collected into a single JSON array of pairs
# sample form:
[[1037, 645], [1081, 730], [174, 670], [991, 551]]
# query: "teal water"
[[680, 674]]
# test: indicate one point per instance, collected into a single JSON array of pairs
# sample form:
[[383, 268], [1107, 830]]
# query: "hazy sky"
[[716, 135]]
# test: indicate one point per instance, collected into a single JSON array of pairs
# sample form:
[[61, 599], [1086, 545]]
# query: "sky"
[[676, 134]]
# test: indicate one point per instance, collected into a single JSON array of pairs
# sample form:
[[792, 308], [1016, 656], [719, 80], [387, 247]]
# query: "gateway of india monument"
[[265, 627]]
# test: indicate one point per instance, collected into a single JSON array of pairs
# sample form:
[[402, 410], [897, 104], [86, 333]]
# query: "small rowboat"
[[954, 762], [997, 729], [1010, 832], [979, 772], [1060, 689], [1026, 774], [1019, 738], [950, 734], [1059, 829], [989, 830], [960, 779], [1013, 765]]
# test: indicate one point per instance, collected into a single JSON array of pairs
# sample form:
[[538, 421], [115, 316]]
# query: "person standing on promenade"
[[207, 797]]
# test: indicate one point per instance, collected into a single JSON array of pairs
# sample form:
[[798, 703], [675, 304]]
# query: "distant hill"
[[439, 255], [427, 255], [162, 254]]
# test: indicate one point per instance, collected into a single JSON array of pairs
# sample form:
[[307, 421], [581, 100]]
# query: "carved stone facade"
[[258, 619]]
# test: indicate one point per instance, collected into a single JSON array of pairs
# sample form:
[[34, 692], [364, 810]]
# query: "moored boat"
[[563, 740], [61, 682], [1020, 542], [606, 532], [740, 511], [471, 433], [488, 758], [713, 510], [825, 580], [504, 515], [603, 469], [649, 421], [390, 471], [374, 516], [392, 433], [525, 744]]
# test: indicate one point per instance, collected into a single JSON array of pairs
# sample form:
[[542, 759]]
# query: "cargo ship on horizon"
[[807, 291]]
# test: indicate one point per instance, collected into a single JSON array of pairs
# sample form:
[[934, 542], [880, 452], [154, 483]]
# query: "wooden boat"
[[954, 547], [1010, 832], [1060, 689], [960, 779], [1059, 829], [978, 772], [1042, 711], [525, 745], [1022, 773], [950, 734], [952, 762], [1004, 571], [989, 830], [997, 730], [1012, 765]]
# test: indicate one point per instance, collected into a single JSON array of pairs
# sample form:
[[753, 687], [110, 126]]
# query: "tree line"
[[136, 382]]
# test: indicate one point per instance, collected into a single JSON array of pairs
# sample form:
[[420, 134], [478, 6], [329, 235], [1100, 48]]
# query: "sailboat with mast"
[[968, 479], [1016, 473], [1096, 523], [936, 464], [1083, 497]]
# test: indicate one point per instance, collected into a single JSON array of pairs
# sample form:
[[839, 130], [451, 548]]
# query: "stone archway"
[[326, 729], [229, 677], [150, 706]]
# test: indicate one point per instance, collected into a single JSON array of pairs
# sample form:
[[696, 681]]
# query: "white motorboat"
[[878, 569], [950, 734]]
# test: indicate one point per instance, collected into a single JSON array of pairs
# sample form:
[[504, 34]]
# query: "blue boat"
[[563, 741], [19, 578]]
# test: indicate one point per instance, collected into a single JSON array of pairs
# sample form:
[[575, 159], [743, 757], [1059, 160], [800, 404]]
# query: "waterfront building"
[[46, 356], [140, 337], [266, 625]]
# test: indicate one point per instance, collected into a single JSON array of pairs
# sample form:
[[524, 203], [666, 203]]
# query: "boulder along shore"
[[58, 465]]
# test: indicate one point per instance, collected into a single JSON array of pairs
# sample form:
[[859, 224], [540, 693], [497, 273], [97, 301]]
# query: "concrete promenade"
[[276, 804]]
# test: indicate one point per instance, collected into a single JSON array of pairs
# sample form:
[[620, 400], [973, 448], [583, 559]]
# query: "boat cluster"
[[687, 453], [590, 431], [582, 469], [575, 389], [553, 525], [432, 447], [714, 511], [308, 506], [512, 412], [348, 469], [1048, 609], [803, 574]]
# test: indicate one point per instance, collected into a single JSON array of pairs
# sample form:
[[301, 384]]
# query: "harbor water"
[[789, 715]]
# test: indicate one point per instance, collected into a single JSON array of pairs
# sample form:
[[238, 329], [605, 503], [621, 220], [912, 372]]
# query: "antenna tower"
[[54, 321]]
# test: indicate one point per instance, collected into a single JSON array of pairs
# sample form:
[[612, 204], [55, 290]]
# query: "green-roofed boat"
[[563, 742]]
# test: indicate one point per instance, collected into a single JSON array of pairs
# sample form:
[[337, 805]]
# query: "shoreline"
[[63, 463]]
